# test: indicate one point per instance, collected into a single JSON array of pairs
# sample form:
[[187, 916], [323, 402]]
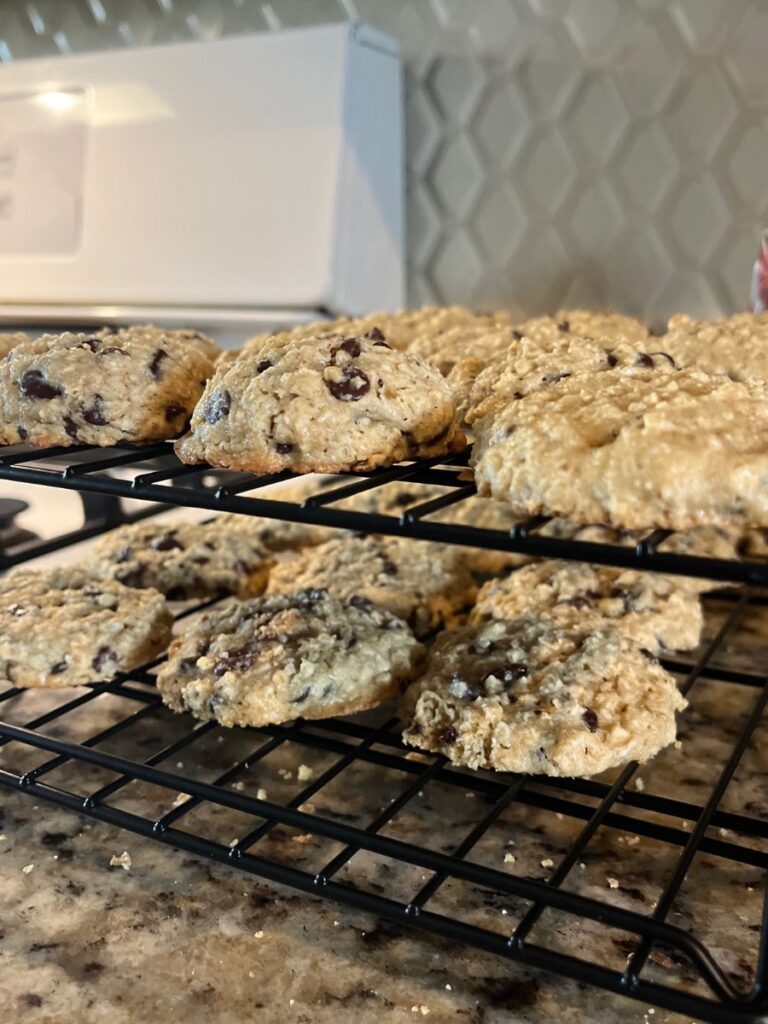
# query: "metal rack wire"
[[56, 755]]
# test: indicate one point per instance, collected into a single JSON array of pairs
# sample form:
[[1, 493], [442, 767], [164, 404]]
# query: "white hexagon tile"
[[601, 152]]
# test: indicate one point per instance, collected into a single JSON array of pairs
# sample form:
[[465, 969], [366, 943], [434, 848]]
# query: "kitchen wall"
[[588, 152]]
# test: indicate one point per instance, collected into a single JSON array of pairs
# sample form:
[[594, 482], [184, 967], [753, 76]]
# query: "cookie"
[[61, 628], [130, 386], [273, 659], [9, 340], [528, 695], [634, 449], [533, 363], [322, 405], [649, 608], [184, 560], [482, 513], [736, 346], [427, 585]]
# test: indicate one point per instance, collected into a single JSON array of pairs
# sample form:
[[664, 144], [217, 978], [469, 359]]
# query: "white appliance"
[[231, 185]]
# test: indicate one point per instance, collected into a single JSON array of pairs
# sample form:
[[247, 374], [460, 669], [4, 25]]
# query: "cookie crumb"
[[307, 837], [336, 924], [304, 773], [181, 798], [123, 861], [721, 831], [258, 935], [504, 912], [239, 786], [261, 794], [639, 784], [613, 883], [420, 1008], [251, 974], [547, 863], [233, 843], [3, 838], [678, 745], [448, 988], [509, 858], [582, 865], [27, 868]]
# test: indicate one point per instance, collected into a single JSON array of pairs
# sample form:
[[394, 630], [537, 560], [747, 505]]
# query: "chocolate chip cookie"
[[128, 386], [529, 695], [633, 449], [184, 560], [322, 405], [427, 585], [651, 609], [276, 658], [62, 628]]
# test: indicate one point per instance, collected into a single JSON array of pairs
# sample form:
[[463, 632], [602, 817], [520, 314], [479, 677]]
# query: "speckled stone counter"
[[87, 935]]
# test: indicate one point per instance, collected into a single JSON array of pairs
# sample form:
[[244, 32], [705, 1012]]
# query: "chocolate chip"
[[263, 365], [352, 642], [34, 385], [218, 406], [157, 359], [94, 414], [313, 595], [237, 661], [103, 655], [284, 447], [201, 560], [517, 335], [71, 427], [553, 378], [642, 359], [611, 358], [576, 602], [23, 433], [173, 411], [187, 664], [667, 356], [446, 736], [58, 668], [388, 567], [94, 344], [376, 335], [564, 326], [113, 350], [354, 383], [167, 542], [351, 346], [358, 601], [132, 577], [590, 719], [302, 697]]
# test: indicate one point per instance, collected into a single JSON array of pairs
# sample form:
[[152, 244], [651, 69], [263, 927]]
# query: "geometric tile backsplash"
[[559, 152]]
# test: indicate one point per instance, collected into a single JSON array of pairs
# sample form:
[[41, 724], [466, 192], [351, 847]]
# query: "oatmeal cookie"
[[62, 628], [130, 386], [322, 405], [529, 695], [276, 658]]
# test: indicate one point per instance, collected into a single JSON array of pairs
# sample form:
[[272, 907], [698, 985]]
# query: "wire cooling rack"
[[362, 808]]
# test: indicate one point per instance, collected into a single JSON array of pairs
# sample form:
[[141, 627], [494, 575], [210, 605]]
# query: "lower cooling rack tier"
[[647, 881]]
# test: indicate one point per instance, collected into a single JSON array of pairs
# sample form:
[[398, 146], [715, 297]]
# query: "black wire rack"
[[194, 785]]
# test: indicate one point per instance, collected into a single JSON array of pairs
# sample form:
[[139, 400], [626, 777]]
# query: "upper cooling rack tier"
[[153, 473]]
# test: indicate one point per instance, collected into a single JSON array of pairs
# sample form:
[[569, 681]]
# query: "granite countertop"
[[89, 936]]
